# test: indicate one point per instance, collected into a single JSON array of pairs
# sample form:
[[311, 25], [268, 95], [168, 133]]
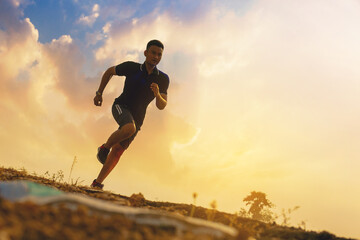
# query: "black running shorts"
[[123, 116]]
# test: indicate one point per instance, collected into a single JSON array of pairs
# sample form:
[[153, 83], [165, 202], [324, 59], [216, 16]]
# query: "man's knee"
[[129, 129]]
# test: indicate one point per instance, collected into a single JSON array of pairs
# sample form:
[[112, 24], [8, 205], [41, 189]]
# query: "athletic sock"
[[103, 147]]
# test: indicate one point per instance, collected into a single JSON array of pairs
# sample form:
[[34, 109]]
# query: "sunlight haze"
[[264, 96]]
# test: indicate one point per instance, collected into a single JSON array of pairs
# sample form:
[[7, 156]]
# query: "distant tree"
[[259, 206]]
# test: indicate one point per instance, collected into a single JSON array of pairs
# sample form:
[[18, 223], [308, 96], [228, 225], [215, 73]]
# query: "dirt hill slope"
[[31, 221]]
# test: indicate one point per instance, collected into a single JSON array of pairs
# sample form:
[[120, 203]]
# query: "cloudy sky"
[[264, 96]]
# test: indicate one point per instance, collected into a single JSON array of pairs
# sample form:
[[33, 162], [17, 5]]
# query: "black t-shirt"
[[137, 94]]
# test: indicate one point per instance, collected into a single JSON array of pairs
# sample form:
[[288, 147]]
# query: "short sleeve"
[[125, 68], [163, 87]]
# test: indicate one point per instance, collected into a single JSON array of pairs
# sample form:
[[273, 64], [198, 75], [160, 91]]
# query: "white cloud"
[[96, 8], [90, 20], [18, 32], [64, 39], [98, 36], [106, 27]]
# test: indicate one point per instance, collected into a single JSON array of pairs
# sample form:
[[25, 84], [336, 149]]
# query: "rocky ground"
[[28, 220]]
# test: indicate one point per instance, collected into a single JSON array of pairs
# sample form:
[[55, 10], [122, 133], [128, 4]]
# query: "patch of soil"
[[30, 221]]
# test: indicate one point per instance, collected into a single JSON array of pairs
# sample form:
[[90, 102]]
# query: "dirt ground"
[[30, 221]]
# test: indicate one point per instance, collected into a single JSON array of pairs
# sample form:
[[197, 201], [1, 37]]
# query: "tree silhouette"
[[259, 206]]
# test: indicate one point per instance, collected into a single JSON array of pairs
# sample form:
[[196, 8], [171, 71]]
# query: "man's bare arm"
[[104, 81], [161, 101], [106, 78], [161, 98]]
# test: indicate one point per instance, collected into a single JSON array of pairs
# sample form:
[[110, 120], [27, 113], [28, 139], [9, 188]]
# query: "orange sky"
[[267, 100]]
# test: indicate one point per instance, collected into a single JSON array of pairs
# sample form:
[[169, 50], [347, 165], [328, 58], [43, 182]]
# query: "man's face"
[[153, 55]]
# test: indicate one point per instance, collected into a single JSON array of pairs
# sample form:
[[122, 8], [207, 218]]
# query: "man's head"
[[155, 43], [153, 52]]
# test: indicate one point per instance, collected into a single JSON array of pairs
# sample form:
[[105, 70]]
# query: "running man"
[[143, 83]]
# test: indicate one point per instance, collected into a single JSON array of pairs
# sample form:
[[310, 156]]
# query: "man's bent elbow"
[[161, 107], [111, 71]]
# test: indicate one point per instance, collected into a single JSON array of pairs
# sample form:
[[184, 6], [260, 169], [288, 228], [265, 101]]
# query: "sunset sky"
[[264, 96]]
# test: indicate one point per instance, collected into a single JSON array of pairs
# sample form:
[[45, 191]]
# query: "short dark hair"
[[154, 43]]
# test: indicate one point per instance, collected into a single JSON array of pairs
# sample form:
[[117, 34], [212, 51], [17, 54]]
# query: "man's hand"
[[155, 88], [161, 99], [98, 100], [111, 71]]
